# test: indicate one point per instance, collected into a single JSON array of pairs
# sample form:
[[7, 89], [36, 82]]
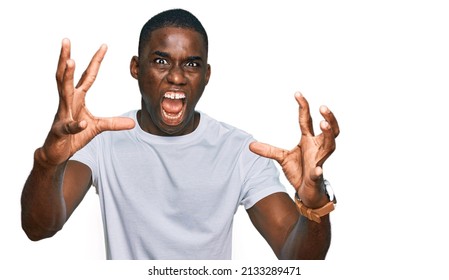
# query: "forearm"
[[308, 240], [42, 201]]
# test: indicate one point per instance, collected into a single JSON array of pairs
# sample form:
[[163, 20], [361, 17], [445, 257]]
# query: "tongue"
[[172, 106]]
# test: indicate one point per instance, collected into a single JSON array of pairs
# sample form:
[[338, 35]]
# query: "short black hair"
[[171, 18]]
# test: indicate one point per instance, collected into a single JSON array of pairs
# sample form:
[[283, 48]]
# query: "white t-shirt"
[[175, 197]]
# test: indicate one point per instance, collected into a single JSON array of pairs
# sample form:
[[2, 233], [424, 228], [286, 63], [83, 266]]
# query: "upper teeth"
[[173, 95]]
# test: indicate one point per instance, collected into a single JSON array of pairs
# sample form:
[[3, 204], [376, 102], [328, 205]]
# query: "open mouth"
[[173, 107]]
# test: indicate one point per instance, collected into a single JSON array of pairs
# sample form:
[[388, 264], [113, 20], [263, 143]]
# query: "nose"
[[176, 75]]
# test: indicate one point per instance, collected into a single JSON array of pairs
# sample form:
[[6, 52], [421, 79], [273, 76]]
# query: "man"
[[171, 178]]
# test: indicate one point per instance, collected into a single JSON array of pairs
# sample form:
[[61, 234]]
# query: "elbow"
[[35, 234], [35, 231], [306, 254], [316, 257]]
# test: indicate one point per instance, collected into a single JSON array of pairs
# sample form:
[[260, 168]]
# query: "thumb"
[[268, 151], [116, 123]]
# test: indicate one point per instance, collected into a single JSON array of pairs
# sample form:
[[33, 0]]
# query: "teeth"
[[172, 95], [171, 117]]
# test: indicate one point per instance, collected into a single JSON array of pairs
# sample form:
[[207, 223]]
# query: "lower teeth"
[[171, 116]]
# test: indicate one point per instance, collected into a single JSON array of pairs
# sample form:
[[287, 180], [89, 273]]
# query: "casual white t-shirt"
[[175, 197]]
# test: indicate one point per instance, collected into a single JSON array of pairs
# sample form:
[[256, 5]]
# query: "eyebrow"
[[165, 54], [194, 57]]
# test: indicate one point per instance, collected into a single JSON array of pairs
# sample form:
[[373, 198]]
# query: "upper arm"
[[274, 217], [77, 180]]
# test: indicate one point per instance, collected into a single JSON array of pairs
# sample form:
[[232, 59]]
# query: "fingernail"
[[324, 109], [325, 124]]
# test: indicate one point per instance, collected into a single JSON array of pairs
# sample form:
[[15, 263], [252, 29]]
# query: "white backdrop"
[[381, 66]]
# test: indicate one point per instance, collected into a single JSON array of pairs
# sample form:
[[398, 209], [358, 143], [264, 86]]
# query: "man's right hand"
[[74, 126]]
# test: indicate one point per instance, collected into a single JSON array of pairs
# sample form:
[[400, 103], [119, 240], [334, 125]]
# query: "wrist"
[[316, 196], [41, 160], [323, 203], [314, 214]]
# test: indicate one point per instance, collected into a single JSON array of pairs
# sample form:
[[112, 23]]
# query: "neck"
[[146, 124]]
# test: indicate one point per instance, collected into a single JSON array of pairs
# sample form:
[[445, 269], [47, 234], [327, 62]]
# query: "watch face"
[[329, 191]]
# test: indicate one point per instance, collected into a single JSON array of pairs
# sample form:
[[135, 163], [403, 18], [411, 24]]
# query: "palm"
[[68, 140]]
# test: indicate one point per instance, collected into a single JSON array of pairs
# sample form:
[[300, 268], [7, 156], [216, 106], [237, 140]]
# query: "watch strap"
[[314, 214]]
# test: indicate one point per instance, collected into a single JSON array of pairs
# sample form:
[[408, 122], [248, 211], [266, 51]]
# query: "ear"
[[208, 73], [134, 67]]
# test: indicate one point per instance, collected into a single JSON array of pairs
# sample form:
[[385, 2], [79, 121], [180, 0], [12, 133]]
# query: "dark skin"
[[174, 61]]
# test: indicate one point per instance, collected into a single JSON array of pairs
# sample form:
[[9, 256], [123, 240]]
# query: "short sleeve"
[[261, 179], [88, 155]]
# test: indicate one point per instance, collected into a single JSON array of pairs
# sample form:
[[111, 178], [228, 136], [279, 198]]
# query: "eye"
[[192, 64], [160, 61]]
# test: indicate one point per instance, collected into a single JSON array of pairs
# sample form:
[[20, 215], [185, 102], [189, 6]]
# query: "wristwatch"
[[329, 191], [316, 214]]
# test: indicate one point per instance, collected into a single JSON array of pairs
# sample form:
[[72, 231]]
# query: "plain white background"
[[381, 66]]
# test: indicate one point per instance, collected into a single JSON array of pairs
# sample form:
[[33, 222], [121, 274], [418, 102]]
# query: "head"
[[172, 72]]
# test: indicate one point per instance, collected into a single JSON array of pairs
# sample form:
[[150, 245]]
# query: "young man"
[[171, 178]]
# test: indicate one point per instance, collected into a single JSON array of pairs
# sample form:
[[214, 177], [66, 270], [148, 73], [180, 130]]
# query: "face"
[[172, 72]]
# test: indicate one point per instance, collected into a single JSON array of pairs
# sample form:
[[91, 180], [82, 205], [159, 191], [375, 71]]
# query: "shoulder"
[[110, 134]]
